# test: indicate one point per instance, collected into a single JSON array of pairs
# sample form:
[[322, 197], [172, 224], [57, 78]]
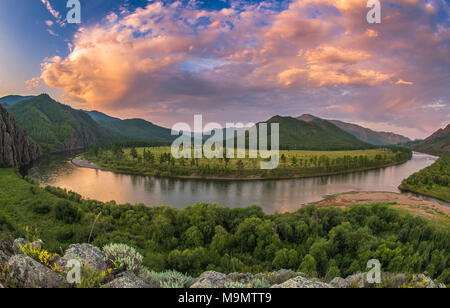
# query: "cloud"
[[169, 60], [33, 83], [53, 12]]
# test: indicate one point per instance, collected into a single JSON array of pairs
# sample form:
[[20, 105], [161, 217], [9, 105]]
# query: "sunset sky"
[[235, 61]]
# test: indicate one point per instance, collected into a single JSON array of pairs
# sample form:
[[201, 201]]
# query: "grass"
[[433, 181], [293, 163]]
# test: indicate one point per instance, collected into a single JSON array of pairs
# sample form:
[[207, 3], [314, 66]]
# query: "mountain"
[[437, 144], [57, 127], [13, 99], [364, 134], [133, 129], [101, 118], [314, 134], [15, 147]]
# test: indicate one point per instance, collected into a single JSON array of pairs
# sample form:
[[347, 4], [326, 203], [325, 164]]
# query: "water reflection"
[[272, 196]]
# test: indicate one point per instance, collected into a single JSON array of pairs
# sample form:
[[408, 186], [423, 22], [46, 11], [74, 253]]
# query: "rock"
[[28, 273], [39, 244], [16, 248], [279, 277], [357, 281], [302, 283], [128, 280], [3, 257], [210, 280], [242, 278], [399, 280], [425, 282], [340, 283], [16, 148], [88, 255]]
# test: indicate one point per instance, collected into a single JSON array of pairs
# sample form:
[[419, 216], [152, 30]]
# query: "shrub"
[[66, 212], [126, 256], [169, 279], [41, 209], [260, 283]]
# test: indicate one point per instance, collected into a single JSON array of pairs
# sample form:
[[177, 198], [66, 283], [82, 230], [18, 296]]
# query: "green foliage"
[[433, 181], [316, 241], [158, 161], [127, 257], [66, 212], [53, 125], [169, 279]]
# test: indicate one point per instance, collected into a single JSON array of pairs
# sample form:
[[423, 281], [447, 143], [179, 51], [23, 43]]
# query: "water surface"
[[272, 195]]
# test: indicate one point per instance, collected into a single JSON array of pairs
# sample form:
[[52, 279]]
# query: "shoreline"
[[88, 165], [412, 204]]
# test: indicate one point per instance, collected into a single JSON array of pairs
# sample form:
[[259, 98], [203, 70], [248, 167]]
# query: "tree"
[[193, 237], [308, 266], [134, 153]]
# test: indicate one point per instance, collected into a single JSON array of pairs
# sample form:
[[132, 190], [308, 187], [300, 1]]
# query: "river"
[[272, 195]]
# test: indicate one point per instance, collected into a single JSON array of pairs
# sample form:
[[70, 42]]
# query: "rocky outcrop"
[[210, 280], [302, 283], [28, 273], [16, 148], [88, 255], [128, 280]]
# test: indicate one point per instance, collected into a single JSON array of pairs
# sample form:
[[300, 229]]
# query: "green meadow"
[[158, 161]]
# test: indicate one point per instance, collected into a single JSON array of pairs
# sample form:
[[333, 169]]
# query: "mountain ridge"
[[362, 133], [58, 127], [437, 144]]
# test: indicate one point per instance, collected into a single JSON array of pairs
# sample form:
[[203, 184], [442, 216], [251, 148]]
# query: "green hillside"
[[316, 134], [437, 144], [57, 127], [133, 129]]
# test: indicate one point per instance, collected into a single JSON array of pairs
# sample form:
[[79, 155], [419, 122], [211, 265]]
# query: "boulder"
[[210, 280], [357, 281], [241, 278], [279, 277], [340, 283], [128, 280], [28, 273], [88, 255], [302, 283], [16, 247]]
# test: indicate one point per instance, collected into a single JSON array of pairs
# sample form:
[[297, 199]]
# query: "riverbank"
[[433, 181], [204, 236], [411, 204], [245, 175]]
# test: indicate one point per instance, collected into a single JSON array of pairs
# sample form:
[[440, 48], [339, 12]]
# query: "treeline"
[[433, 181], [321, 242], [152, 162]]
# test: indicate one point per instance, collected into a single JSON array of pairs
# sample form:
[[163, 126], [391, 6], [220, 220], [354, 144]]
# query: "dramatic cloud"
[[248, 62]]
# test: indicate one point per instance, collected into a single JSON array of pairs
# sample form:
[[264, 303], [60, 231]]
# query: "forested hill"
[[57, 127], [133, 129], [315, 135], [362, 133], [437, 144], [13, 99]]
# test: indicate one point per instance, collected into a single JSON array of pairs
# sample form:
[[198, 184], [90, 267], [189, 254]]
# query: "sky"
[[235, 61]]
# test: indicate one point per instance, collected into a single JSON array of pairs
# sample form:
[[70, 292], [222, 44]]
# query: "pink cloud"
[[144, 61]]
